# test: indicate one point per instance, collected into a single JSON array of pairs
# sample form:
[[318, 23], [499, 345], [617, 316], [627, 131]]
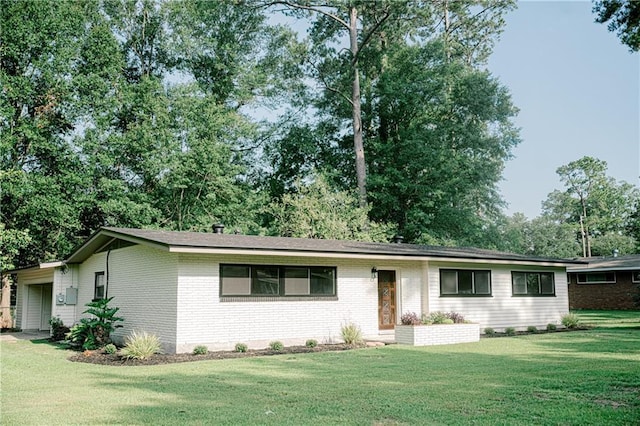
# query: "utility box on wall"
[[71, 296]]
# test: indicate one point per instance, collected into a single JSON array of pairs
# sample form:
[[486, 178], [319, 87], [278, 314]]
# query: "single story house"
[[218, 289], [605, 283]]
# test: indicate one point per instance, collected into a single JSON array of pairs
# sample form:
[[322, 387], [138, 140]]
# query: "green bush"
[[94, 332], [141, 345], [241, 347], [59, 331], [110, 349], [351, 334], [510, 331], [551, 327], [532, 329], [200, 350], [276, 345], [570, 321], [311, 343], [489, 331]]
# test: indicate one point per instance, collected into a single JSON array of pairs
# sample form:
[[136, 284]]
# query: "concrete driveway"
[[24, 335]]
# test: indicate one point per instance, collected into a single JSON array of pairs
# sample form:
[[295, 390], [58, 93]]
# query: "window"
[[461, 282], [635, 276], [597, 278], [533, 284], [99, 289], [265, 280]]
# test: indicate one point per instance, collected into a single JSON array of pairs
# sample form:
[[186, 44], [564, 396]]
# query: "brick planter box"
[[437, 334]]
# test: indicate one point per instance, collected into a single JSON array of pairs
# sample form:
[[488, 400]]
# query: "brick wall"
[[603, 296]]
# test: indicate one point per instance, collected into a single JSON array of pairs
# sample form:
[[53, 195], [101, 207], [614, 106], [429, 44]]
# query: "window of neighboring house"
[[636, 276], [597, 278], [266, 280], [533, 284], [99, 288], [462, 282]]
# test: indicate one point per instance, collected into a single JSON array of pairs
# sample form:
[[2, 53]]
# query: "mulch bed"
[[100, 357]]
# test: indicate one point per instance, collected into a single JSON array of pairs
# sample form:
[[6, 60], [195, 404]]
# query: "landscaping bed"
[[103, 358]]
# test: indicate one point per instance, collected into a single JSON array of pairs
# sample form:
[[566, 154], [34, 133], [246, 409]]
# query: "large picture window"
[[462, 282], [533, 284], [266, 280], [597, 278]]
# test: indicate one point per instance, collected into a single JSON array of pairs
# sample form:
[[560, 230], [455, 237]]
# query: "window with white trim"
[[99, 287], [533, 284], [597, 278], [464, 282], [268, 280]]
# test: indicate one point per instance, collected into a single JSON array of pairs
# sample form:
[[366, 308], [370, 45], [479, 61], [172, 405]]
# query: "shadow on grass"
[[55, 345], [461, 384]]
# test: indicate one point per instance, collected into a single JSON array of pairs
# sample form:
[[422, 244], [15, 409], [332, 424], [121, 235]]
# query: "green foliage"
[[532, 329], [318, 211], [276, 345], [510, 331], [110, 349], [551, 327], [489, 331], [94, 332], [311, 343], [439, 317], [351, 334], [200, 350], [570, 320], [141, 345], [58, 329], [241, 347], [621, 16]]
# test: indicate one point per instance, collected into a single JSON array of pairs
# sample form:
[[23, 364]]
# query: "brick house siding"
[[618, 295]]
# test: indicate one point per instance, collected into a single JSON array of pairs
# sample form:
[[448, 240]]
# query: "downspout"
[[106, 278]]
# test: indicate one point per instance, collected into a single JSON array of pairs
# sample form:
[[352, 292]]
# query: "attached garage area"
[[35, 294]]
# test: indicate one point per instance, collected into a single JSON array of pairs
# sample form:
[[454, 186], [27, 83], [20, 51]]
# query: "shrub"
[[110, 349], [532, 329], [570, 321], [410, 318], [351, 334], [141, 345], [241, 347], [95, 332], [311, 343], [510, 331], [439, 317], [489, 331], [456, 317], [276, 345], [200, 350], [58, 329], [551, 327]]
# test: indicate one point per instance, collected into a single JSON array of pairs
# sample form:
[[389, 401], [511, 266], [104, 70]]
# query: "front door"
[[386, 300], [45, 306]]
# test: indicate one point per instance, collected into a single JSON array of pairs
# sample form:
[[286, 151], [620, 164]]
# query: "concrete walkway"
[[24, 335]]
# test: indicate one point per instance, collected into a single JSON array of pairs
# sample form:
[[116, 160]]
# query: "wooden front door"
[[386, 300]]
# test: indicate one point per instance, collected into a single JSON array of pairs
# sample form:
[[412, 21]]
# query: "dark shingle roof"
[[200, 240], [629, 262]]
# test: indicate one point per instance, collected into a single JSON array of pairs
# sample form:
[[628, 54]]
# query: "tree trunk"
[[5, 303], [358, 144]]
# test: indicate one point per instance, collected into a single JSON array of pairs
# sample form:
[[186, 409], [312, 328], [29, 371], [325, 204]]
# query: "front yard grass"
[[575, 378]]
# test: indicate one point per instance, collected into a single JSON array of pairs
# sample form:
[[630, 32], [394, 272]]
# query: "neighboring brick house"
[[605, 283], [219, 289]]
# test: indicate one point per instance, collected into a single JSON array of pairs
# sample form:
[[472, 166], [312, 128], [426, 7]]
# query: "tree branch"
[[311, 8]]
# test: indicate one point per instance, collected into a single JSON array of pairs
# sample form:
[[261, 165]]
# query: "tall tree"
[[595, 203], [622, 16]]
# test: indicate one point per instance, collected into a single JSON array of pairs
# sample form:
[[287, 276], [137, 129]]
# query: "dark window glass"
[[99, 288], [322, 281], [265, 280], [533, 283], [465, 282]]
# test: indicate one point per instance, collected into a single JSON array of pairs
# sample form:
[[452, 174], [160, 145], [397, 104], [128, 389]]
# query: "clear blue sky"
[[578, 91]]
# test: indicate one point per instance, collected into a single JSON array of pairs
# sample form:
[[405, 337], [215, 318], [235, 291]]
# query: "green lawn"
[[569, 378]]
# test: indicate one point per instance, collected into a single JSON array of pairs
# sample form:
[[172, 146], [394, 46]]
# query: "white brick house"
[[218, 289]]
